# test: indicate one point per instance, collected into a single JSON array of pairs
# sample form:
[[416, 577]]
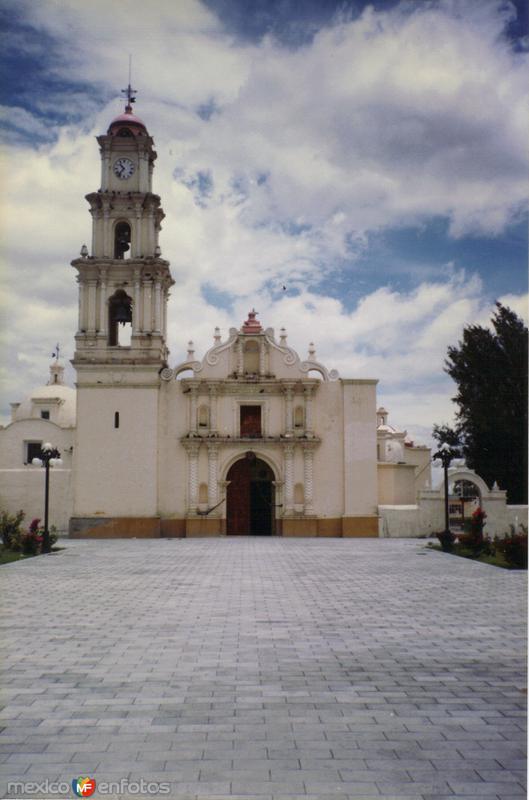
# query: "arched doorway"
[[250, 497]]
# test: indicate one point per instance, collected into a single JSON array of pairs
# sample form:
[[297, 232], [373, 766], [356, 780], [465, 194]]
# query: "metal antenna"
[[129, 91]]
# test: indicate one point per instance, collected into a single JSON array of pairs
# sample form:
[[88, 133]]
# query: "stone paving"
[[265, 668]]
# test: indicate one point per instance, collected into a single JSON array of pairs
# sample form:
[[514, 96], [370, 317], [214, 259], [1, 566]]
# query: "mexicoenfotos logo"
[[84, 787]]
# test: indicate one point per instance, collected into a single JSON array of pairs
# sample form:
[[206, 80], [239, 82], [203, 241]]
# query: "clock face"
[[123, 168]]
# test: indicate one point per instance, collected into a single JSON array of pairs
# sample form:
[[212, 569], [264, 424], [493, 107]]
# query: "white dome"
[[58, 395]]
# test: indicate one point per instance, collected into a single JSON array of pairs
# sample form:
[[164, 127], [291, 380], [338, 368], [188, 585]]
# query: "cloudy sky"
[[370, 158]]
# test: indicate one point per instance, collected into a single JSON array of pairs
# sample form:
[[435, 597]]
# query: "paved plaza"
[[265, 667]]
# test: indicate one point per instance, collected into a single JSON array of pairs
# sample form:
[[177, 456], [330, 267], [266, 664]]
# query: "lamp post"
[[49, 457], [444, 455]]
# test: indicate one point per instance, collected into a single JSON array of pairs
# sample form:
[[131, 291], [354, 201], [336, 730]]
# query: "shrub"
[[474, 538], [10, 527], [513, 548], [30, 543], [447, 539]]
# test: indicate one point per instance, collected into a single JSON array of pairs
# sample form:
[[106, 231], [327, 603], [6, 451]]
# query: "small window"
[[33, 450], [44, 414], [251, 421], [116, 419]]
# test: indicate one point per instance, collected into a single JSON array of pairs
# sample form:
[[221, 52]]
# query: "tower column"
[[92, 308], [157, 305], [137, 239], [103, 303], [136, 309]]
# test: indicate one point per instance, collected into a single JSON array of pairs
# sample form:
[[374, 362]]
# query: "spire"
[[129, 92]]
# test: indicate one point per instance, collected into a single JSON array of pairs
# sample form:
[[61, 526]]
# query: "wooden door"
[[238, 497]]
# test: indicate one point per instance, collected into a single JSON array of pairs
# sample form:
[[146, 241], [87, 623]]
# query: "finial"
[[84, 251], [312, 351], [57, 352], [157, 251], [252, 325], [282, 336], [190, 350], [216, 335], [129, 92]]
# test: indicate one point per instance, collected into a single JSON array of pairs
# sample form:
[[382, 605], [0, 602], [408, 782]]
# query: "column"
[[157, 305], [103, 303], [289, 479], [137, 244], [308, 411], [107, 244], [192, 454], [308, 477], [136, 310], [147, 305], [92, 297], [289, 394], [213, 409], [213, 494], [193, 398], [81, 294]]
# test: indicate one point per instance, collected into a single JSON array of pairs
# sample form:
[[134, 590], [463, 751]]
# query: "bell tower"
[[123, 282], [120, 344]]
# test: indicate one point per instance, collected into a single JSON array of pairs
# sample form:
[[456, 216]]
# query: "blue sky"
[[370, 157]]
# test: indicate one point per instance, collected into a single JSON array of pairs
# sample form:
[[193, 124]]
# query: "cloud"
[[275, 165]]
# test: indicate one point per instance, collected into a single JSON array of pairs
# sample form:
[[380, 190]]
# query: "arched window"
[[125, 133], [251, 358], [122, 239], [119, 319]]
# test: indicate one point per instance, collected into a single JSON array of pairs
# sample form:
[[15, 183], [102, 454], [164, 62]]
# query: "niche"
[[251, 358], [122, 239], [119, 319], [203, 493], [299, 417], [203, 417], [299, 494]]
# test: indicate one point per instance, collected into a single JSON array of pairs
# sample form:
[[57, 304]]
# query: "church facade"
[[249, 439]]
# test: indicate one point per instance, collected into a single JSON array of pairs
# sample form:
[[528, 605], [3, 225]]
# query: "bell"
[[122, 313]]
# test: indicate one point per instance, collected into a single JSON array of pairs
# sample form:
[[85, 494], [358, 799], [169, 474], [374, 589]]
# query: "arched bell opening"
[[122, 240], [250, 500], [119, 319]]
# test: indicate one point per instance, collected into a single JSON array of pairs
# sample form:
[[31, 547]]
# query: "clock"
[[123, 168]]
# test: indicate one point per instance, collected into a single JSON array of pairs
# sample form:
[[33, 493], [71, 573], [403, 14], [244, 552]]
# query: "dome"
[[127, 120], [57, 395]]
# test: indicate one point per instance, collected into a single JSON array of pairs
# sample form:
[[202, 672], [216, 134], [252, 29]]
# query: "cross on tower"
[[131, 98]]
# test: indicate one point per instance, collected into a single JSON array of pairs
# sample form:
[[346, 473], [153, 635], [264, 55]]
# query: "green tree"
[[489, 367]]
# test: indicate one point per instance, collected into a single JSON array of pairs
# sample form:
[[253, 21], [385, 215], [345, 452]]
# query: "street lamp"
[[444, 455], [49, 457]]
